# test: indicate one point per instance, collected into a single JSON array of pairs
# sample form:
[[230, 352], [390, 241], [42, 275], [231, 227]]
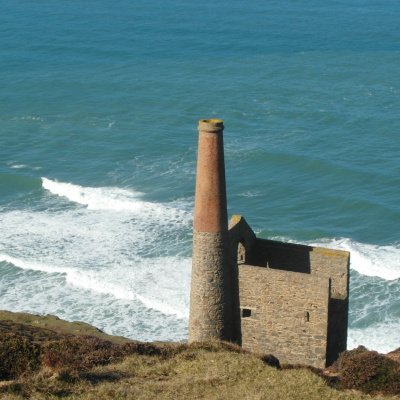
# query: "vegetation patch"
[[270, 360], [370, 372], [87, 367], [18, 356], [79, 353]]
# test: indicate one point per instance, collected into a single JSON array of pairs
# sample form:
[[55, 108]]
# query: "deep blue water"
[[99, 108]]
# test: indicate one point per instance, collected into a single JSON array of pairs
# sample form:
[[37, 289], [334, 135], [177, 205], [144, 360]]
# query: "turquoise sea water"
[[99, 108]]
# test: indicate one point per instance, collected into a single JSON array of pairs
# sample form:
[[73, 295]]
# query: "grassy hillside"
[[48, 362]]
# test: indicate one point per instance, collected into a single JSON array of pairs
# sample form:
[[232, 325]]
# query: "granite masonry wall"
[[285, 314], [293, 298]]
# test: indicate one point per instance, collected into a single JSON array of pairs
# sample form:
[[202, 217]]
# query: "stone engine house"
[[286, 299]]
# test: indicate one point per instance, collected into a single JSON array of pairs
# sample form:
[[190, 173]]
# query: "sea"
[[99, 107]]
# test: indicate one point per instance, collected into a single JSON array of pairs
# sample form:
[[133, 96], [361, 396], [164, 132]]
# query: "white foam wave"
[[255, 193], [21, 166], [27, 291], [116, 199], [372, 337], [153, 284], [32, 118], [95, 198], [137, 254], [17, 166], [35, 266], [155, 288]]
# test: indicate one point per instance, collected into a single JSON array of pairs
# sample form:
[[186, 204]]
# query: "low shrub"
[[370, 372], [141, 349], [270, 360], [337, 365], [215, 346], [80, 353], [18, 356]]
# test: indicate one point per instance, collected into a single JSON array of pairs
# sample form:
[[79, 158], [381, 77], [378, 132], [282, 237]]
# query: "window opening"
[[306, 316], [246, 313], [241, 255]]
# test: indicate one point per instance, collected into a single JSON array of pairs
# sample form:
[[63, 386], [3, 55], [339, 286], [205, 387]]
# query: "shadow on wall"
[[267, 253], [285, 257]]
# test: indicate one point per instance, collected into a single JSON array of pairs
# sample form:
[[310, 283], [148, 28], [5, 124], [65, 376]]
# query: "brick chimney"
[[210, 306]]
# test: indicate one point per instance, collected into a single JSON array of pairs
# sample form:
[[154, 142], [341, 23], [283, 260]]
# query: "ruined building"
[[286, 299]]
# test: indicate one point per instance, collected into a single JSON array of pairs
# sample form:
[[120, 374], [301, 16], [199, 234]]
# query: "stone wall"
[[314, 261], [285, 314], [210, 306], [334, 264], [279, 282]]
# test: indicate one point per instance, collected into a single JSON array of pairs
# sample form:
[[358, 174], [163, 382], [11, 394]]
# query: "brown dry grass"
[[182, 372], [65, 366], [49, 327]]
